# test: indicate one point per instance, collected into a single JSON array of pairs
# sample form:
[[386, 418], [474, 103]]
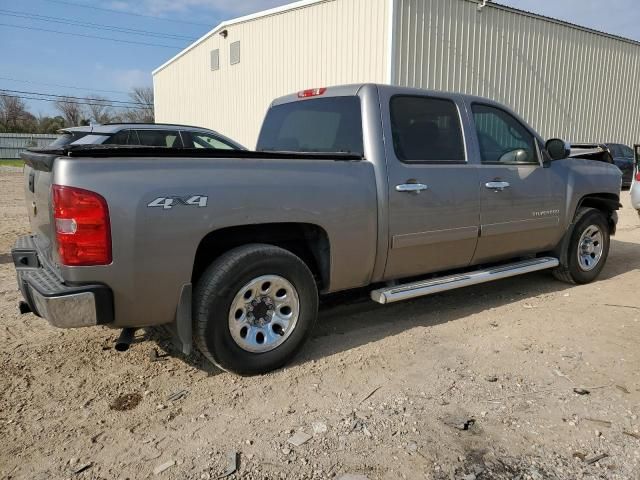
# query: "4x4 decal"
[[169, 202]]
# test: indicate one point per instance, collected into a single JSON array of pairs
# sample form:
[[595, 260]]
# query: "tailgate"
[[38, 176]]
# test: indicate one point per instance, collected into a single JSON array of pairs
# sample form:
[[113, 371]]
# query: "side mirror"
[[518, 155], [557, 149]]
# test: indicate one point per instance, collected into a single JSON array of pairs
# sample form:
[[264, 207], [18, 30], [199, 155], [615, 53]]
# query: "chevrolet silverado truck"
[[407, 192]]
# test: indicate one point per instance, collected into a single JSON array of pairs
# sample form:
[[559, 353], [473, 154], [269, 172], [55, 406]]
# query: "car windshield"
[[66, 138]]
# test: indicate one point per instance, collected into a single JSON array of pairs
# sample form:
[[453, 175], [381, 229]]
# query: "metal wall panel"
[[564, 80], [327, 43]]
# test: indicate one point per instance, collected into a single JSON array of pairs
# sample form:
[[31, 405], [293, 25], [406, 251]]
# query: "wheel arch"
[[308, 241], [608, 203], [565, 250]]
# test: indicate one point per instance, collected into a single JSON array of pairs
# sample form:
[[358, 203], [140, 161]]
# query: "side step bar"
[[436, 285]]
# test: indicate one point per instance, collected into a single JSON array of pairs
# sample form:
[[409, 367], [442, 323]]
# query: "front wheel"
[[253, 309], [587, 248]]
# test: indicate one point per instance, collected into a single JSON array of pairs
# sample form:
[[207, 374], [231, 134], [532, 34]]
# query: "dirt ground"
[[476, 383]]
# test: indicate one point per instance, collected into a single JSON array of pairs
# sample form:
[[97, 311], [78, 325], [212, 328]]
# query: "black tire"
[[570, 270], [216, 290]]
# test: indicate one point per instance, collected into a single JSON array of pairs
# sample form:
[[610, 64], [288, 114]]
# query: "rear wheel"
[[587, 248], [253, 309]]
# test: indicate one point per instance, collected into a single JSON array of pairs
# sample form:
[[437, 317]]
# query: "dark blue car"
[[623, 158]]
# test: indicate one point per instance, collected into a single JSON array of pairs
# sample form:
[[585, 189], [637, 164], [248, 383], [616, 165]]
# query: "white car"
[[145, 134], [635, 185]]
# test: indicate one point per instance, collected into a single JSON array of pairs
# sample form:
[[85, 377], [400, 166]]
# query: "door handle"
[[497, 186], [411, 187]]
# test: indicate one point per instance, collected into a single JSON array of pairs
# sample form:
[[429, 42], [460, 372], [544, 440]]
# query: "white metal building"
[[566, 80]]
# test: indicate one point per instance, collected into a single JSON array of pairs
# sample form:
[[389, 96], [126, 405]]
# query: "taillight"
[[638, 177], [312, 92], [83, 230]]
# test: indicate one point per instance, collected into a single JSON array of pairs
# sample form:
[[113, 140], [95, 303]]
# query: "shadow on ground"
[[349, 320]]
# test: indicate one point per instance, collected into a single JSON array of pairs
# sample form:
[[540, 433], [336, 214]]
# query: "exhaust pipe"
[[125, 339]]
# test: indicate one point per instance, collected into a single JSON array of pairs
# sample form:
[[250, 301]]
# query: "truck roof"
[[354, 89]]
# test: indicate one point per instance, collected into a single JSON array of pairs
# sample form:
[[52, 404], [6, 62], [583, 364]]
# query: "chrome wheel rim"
[[590, 247], [264, 313]]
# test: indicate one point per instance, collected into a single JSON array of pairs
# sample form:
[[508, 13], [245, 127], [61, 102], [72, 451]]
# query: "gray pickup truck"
[[409, 192]]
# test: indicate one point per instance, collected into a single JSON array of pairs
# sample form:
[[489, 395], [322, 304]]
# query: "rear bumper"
[[62, 305]]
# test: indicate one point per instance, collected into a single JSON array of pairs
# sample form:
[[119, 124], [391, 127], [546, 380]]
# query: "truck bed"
[[42, 159], [155, 243]]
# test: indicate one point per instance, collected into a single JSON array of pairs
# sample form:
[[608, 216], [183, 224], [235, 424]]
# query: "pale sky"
[[618, 17], [51, 46]]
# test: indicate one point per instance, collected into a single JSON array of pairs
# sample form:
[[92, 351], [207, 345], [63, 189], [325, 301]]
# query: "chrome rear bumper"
[[62, 305]]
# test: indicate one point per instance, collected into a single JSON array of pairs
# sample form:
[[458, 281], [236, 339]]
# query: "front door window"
[[503, 139]]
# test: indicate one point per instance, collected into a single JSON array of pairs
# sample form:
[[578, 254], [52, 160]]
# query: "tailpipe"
[[125, 339]]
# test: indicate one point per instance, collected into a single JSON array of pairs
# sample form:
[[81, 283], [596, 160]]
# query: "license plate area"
[[25, 259], [32, 181]]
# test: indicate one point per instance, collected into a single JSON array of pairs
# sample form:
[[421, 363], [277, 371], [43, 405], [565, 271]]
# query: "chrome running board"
[[436, 285]]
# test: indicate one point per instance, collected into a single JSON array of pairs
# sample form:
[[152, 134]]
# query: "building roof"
[[305, 3], [558, 21]]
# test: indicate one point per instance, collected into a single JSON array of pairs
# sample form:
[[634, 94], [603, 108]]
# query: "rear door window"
[[159, 138], [426, 129], [328, 125], [204, 140], [123, 137]]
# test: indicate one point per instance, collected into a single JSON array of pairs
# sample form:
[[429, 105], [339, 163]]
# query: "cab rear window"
[[327, 125]]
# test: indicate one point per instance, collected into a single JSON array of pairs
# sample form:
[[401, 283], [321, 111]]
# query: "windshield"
[[327, 125], [66, 138]]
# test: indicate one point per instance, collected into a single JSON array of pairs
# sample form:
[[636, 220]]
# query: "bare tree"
[[144, 112], [13, 114], [100, 110], [15, 118], [143, 95], [71, 110]]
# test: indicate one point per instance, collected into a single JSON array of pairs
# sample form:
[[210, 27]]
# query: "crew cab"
[[405, 191]]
